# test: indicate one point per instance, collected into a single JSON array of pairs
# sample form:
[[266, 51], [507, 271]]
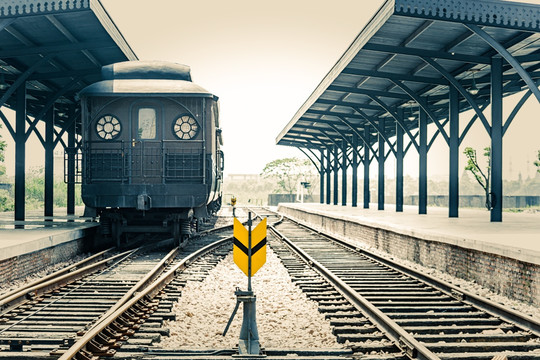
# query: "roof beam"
[[58, 25], [347, 104], [65, 74], [425, 52], [333, 113], [50, 49], [425, 25], [394, 76], [354, 90]]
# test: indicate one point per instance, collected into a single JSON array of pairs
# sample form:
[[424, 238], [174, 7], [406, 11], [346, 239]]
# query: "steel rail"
[[27, 293], [495, 309], [141, 284], [148, 293], [56, 274], [258, 215], [400, 337]]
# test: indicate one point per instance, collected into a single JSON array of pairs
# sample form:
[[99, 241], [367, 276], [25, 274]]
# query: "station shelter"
[[419, 62], [49, 51]]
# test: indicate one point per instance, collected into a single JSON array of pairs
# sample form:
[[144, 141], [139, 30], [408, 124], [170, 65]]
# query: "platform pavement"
[[38, 232], [516, 237]]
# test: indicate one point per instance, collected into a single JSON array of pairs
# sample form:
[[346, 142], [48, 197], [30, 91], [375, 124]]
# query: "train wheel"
[[177, 236], [115, 233]]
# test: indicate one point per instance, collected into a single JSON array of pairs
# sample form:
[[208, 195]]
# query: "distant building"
[[242, 177]]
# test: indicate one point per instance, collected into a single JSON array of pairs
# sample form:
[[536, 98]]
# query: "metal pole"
[[380, 193], [496, 139], [321, 179], [354, 189], [71, 168], [422, 181], [399, 164], [367, 140], [328, 169], [49, 162], [249, 250], [20, 152], [453, 195], [344, 174], [336, 169]]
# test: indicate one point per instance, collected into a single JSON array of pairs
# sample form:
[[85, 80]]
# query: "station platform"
[[503, 256], [30, 245]]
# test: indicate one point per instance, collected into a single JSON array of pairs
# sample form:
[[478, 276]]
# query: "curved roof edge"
[[33, 7], [145, 86], [374, 24], [163, 70], [485, 12], [494, 13]]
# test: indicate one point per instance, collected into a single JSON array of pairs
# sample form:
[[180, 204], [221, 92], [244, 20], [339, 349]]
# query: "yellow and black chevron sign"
[[241, 244]]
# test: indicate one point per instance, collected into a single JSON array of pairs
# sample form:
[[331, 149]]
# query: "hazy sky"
[[263, 59]]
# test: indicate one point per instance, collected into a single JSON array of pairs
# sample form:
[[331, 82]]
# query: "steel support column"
[[453, 191], [496, 139], [422, 152], [20, 152], [328, 169], [381, 158], [367, 137], [71, 170], [49, 163], [336, 175], [399, 163], [344, 174], [354, 190], [321, 179]]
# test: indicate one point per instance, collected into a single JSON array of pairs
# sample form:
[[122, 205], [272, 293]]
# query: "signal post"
[[249, 253]]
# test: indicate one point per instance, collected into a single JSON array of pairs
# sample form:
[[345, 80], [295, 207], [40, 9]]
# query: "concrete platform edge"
[[527, 255]]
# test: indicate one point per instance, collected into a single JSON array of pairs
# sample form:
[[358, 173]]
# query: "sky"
[[263, 59]]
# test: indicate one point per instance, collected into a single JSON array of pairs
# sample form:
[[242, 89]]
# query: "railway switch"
[[249, 253]]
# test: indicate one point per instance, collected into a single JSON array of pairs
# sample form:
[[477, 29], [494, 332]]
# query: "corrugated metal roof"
[[58, 47], [390, 58]]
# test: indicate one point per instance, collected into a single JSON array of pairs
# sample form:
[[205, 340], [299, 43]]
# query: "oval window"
[[108, 127], [185, 127]]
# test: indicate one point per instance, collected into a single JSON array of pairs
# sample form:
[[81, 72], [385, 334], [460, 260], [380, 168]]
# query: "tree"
[[483, 178], [289, 173], [2, 155], [537, 162]]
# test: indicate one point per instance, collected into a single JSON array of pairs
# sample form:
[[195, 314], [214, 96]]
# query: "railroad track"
[[93, 310], [388, 311]]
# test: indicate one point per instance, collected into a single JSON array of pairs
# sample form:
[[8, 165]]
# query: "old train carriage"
[[151, 158]]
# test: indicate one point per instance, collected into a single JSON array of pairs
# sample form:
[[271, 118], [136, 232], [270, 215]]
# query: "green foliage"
[[35, 190], [289, 172], [483, 178], [2, 150], [537, 162], [6, 201]]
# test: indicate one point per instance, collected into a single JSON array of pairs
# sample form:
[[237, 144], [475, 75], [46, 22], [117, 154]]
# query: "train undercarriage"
[[119, 224]]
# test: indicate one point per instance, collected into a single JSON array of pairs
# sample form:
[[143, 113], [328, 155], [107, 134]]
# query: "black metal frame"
[[370, 87]]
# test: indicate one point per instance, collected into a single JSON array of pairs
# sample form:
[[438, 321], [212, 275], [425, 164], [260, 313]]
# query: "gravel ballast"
[[286, 318]]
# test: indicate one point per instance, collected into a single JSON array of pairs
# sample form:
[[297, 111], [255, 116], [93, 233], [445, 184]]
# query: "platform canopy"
[[55, 48], [49, 51], [420, 62], [408, 56]]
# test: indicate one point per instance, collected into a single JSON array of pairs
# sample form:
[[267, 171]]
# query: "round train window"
[[108, 127], [185, 127]]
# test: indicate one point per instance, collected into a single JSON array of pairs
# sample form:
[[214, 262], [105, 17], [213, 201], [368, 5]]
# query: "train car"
[[151, 150]]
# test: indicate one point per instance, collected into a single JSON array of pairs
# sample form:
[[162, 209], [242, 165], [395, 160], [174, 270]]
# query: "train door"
[[146, 145]]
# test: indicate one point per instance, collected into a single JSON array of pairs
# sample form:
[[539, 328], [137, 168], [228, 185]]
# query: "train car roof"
[[145, 77]]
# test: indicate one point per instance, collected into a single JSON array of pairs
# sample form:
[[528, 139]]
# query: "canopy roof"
[[406, 58], [57, 48]]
